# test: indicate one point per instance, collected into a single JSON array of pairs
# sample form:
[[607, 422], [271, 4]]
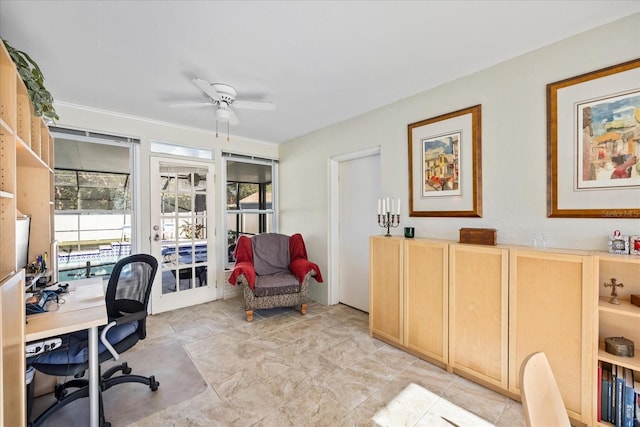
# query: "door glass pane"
[[183, 229]]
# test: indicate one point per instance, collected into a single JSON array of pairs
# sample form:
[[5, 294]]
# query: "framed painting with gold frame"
[[593, 144], [445, 154]]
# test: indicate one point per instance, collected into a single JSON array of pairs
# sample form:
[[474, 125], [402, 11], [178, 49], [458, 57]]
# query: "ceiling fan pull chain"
[[216, 128], [227, 131]]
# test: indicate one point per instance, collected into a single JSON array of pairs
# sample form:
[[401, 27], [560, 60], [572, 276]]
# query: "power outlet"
[[39, 347]]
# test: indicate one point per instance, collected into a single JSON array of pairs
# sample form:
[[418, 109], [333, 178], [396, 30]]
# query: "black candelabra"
[[388, 220]]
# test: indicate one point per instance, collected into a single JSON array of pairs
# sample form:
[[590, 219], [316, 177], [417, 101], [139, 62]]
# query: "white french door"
[[182, 233]]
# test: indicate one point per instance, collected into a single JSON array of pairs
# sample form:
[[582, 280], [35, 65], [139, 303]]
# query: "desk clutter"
[[38, 302]]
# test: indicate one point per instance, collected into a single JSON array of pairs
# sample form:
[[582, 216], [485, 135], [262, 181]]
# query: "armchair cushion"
[[276, 284]]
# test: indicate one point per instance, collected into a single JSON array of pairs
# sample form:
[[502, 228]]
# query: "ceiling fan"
[[223, 98]]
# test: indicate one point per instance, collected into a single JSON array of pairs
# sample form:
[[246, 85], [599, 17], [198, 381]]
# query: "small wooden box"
[[635, 300], [478, 236]]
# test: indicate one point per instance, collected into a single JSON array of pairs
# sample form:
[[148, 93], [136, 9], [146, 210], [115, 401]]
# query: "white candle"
[[388, 205], [379, 208], [398, 206], [393, 206]]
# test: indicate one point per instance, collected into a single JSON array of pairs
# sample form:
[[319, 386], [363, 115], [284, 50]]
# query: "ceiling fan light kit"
[[223, 114], [223, 99]]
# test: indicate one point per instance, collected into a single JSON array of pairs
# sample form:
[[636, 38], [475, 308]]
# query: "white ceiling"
[[321, 62]]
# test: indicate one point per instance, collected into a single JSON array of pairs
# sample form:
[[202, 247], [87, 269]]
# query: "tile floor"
[[319, 369]]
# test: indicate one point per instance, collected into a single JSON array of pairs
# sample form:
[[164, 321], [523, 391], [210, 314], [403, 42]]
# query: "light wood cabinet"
[[408, 292], [551, 310], [478, 313], [12, 366], [385, 289], [26, 188], [426, 298], [616, 320], [480, 310]]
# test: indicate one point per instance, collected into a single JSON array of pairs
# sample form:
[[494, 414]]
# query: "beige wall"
[[513, 101], [148, 130]]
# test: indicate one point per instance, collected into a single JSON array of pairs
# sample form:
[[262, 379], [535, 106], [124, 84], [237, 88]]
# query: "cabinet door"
[[12, 387], [478, 304], [426, 298], [551, 310], [385, 293]]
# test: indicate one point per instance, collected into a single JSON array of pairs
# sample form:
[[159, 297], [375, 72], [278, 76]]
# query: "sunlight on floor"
[[416, 405]]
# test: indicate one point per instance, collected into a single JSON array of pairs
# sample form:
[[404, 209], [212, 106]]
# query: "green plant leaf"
[[32, 76]]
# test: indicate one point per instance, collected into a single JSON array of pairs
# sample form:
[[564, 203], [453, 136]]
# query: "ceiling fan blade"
[[254, 105], [207, 88], [192, 104]]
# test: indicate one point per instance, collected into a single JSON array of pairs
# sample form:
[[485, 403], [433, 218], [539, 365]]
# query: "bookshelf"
[[617, 320], [546, 288], [26, 187]]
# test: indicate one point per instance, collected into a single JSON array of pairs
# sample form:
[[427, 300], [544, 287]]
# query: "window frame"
[[263, 214], [133, 180]]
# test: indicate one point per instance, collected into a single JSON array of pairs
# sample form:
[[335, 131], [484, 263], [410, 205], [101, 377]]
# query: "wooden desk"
[[83, 308]]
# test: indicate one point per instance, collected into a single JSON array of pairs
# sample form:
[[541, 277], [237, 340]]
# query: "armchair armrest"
[[246, 268], [300, 267]]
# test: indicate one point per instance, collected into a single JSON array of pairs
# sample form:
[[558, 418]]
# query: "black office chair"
[[126, 299]]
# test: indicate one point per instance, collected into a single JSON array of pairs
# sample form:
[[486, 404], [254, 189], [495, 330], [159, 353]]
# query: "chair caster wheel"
[[125, 368], [59, 391], [154, 384]]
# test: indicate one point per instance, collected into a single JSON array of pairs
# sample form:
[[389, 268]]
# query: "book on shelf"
[[599, 385], [605, 398], [636, 386], [629, 396], [618, 395], [614, 383]]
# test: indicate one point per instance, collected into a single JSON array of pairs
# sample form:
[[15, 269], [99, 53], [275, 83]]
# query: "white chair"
[[541, 399]]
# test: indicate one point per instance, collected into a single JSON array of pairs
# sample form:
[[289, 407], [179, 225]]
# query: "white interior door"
[[359, 188], [182, 235]]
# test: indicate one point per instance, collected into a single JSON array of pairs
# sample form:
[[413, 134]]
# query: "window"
[[251, 198], [93, 203]]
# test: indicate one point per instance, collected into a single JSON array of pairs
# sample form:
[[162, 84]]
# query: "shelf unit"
[[505, 302], [26, 187], [617, 320]]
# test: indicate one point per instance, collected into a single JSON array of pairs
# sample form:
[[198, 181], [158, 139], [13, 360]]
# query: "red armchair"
[[274, 271]]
